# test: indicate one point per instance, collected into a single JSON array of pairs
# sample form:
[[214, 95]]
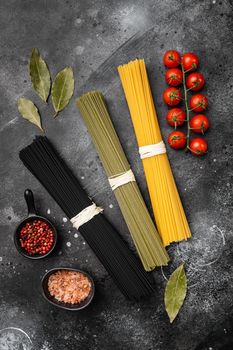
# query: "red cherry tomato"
[[173, 77], [198, 146], [172, 96], [177, 139], [199, 123], [195, 81], [198, 102], [171, 59], [190, 61], [175, 117]]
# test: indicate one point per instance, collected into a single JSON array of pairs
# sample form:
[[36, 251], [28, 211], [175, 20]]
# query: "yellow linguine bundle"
[[170, 218]]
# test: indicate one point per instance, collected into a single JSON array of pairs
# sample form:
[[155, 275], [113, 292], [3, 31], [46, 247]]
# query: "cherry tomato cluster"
[[178, 67]]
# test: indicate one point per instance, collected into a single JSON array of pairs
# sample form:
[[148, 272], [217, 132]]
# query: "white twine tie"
[[121, 179], [152, 150], [85, 215]]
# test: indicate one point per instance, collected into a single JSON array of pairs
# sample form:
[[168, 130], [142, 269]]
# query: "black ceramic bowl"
[[31, 217], [60, 304]]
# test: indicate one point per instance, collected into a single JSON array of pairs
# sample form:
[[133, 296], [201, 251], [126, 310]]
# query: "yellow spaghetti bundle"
[[168, 210]]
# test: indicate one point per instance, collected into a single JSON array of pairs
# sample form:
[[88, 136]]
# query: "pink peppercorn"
[[36, 237]]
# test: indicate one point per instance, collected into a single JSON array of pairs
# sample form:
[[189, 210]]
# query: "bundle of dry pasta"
[[145, 236], [168, 210]]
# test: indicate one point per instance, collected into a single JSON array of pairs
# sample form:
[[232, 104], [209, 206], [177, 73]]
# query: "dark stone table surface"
[[94, 37]]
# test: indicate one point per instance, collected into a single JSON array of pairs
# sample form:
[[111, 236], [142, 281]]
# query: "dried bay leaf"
[[29, 111], [175, 292], [62, 89], [39, 74]]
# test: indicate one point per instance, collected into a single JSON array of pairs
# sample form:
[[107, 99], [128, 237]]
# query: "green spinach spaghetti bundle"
[[144, 234]]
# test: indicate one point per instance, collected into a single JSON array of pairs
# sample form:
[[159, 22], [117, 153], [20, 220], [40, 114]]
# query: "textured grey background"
[[94, 37]]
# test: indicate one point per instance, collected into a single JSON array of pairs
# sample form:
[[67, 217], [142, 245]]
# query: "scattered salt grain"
[[111, 206], [75, 235], [78, 21], [65, 219], [46, 346], [68, 244], [48, 211]]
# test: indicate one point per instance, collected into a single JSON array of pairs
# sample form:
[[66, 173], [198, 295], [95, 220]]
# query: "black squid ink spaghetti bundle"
[[48, 167]]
